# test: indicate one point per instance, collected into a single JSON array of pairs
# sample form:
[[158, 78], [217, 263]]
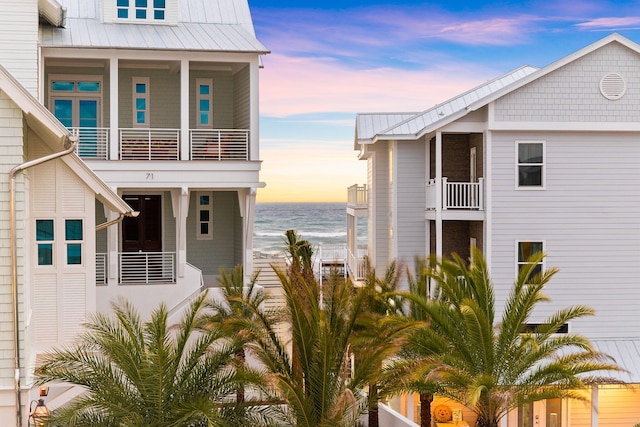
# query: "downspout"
[[70, 145], [104, 225]]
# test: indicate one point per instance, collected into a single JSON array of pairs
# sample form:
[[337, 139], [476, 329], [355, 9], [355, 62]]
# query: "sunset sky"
[[332, 59]]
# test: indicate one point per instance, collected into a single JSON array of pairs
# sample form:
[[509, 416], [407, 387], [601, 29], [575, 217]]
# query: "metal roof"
[[626, 354], [400, 126], [203, 25]]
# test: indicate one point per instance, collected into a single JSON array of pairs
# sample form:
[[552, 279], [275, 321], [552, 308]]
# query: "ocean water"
[[322, 224]]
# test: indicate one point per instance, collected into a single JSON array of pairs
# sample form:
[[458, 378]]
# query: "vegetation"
[[141, 374], [491, 365]]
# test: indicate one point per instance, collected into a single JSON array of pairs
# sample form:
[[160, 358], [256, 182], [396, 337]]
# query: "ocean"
[[322, 224]]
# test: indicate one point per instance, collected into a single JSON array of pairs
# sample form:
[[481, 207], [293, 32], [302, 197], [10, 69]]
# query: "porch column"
[[247, 211], [180, 204], [594, 406], [184, 110], [112, 247], [114, 137], [254, 119], [438, 211]]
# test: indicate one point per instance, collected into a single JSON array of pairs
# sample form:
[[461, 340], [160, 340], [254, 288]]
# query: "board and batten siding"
[[57, 193], [572, 93], [19, 41], [11, 143], [223, 98], [588, 218], [410, 202]]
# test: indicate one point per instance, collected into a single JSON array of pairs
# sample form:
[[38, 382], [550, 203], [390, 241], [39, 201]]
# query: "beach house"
[[152, 107], [535, 160]]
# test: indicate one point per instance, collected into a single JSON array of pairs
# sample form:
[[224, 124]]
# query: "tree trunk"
[[425, 409], [373, 405], [241, 357]]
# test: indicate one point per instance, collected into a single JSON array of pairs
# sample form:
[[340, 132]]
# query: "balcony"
[[163, 144], [357, 196], [456, 195], [139, 268]]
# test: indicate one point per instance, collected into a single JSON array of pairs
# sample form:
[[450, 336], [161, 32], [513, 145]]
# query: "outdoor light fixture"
[[40, 413]]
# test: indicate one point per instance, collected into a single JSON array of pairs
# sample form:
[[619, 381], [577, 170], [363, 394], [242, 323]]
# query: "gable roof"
[[57, 137], [203, 25], [442, 114]]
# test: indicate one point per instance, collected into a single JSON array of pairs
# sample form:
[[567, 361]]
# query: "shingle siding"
[[572, 93]]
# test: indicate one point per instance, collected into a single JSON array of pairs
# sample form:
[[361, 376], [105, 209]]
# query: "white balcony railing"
[[149, 144], [357, 195], [456, 195], [356, 263], [147, 267], [93, 143], [219, 144]]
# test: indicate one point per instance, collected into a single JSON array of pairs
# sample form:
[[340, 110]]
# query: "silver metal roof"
[[626, 354], [205, 25], [390, 126]]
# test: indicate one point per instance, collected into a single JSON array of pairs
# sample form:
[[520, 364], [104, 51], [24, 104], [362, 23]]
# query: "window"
[[141, 10], [73, 236], [525, 251], [205, 216], [45, 237], [530, 164], [204, 100], [140, 101], [525, 415]]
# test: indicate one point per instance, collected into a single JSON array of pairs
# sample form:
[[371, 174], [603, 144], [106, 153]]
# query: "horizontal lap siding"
[[19, 41], [381, 203], [588, 217], [411, 228]]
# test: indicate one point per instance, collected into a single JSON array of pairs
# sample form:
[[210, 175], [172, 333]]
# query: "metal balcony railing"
[[93, 143], [219, 144], [147, 267], [149, 144]]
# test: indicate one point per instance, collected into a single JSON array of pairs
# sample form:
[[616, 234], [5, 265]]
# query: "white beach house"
[[161, 98], [537, 159]]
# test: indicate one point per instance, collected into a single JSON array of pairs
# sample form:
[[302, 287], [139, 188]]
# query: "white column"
[[180, 205], [254, 137], [114, 138], [438, 212], [184, 110], [112, 247], [487, 196], [594, 406], [248, 221]]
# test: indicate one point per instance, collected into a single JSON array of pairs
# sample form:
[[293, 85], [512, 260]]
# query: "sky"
[[331, 59]]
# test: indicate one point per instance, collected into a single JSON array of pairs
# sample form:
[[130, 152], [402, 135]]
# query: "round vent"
[[613, 86]]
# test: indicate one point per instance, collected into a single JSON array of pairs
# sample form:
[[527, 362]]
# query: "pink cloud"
[[610, 23], [290, 86], [495, 31]]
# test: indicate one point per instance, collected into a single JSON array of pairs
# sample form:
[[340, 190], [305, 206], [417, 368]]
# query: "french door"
[[83, 113]]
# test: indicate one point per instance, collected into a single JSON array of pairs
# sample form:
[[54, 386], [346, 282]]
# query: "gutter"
[[104, 225], [70, 145]]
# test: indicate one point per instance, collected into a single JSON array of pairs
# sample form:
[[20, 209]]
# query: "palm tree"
[[309, 370], [493, 367], [380, 334], [139, 373]]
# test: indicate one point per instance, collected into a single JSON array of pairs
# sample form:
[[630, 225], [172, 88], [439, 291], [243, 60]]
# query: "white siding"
[[589, 218], [19, 41], [411, 224], [381, 204], [11, 134]]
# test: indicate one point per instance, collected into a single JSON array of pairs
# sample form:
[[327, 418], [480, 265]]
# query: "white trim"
[[199, 97], [202, 208], [75, 95], [517, 252], [487, 154], [543, 171], [146, 96]]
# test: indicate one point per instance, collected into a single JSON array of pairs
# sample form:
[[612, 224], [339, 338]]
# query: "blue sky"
[[330, 60]]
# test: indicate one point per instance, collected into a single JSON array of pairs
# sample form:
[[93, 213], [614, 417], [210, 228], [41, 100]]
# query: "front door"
[[144, 233]]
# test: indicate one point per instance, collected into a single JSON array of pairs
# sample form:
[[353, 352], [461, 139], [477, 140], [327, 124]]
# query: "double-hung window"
[[525, 251], [530, 164], [45, 237], [74, 237]]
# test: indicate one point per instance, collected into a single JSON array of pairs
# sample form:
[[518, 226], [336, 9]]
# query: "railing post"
[[445, 194], [481, 194]]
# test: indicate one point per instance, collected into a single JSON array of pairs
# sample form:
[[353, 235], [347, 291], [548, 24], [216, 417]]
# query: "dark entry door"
[[144, 233]]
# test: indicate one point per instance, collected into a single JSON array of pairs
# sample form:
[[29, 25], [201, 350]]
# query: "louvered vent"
[[613, 86]]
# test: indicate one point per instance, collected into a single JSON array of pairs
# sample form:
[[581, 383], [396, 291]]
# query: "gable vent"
[[613, 86]]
